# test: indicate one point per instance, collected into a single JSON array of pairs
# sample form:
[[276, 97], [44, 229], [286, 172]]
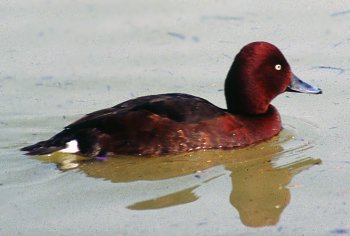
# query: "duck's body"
[[162, 124], [173, 123]]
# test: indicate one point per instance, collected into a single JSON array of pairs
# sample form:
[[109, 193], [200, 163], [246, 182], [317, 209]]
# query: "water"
[[60, 60]]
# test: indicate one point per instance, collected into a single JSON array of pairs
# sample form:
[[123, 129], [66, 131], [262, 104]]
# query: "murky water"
[[60, 60]]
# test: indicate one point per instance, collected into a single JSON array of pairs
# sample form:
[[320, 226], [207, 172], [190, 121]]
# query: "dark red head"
[[258, 74]]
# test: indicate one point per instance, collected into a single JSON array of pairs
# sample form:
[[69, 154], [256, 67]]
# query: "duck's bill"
[[299, 86]]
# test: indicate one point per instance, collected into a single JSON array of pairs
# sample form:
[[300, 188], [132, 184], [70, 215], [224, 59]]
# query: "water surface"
[[60, 60]]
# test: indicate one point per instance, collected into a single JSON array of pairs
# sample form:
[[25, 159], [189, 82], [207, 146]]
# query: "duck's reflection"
[[260, 191], [259, 188]]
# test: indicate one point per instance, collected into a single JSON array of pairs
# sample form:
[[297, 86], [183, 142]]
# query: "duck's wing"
[[176, 106]]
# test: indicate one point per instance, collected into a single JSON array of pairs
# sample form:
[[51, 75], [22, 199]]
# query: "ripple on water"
[[19, 170]]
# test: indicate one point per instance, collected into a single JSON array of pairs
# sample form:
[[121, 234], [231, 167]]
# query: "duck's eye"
[[278, 67]]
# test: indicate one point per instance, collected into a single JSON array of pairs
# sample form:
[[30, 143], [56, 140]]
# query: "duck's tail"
[[58, 142]]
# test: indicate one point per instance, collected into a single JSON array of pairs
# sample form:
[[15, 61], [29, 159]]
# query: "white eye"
[[278, 67]]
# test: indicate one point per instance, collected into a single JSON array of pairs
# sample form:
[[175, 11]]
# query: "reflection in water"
[[173, 199], [259, 186], [259, 190]]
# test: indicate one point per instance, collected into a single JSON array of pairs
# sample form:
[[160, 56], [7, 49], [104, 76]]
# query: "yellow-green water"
[[62, 59]]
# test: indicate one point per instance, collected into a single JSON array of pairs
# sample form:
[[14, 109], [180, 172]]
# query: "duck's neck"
[[243, 98]]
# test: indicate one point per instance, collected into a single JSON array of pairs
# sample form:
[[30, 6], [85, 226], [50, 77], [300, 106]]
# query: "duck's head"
[[258, 74]]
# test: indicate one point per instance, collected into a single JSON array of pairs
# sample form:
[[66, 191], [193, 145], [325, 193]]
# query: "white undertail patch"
[[71, 147]]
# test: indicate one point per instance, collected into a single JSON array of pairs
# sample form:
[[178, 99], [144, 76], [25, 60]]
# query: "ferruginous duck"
[[175, 122]]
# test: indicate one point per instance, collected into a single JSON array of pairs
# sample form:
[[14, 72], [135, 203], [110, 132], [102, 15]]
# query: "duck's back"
[[177, 107]]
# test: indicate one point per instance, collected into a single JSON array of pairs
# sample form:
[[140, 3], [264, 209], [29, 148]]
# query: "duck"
[[173, 123]]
